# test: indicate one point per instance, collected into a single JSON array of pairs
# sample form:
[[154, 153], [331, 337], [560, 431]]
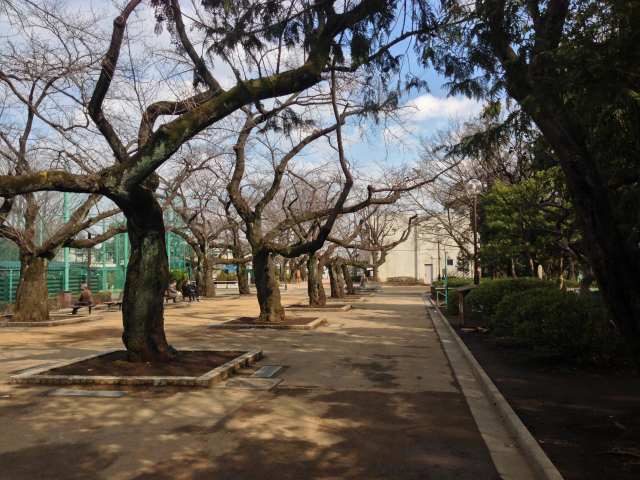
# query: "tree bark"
[[243, 279], [206, 284], [351, 290], [315, 289], [241, 272], [333, 281], [376, 277], [337, 271], [32, 294], [267, 287], [340, 280], [147, 279]]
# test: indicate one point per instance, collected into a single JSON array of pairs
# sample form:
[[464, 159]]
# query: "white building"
[[424, 256]]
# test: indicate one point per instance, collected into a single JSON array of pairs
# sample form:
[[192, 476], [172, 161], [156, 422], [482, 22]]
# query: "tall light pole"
[[474, 188]]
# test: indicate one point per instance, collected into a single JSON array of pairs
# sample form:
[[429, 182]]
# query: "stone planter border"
[[34, 376], [243, 326]]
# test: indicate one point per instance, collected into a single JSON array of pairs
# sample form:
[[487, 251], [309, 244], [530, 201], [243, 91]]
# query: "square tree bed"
[[329, 307], [290, 323], [192, 368]]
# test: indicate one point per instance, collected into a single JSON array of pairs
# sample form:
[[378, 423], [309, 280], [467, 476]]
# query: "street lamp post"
[[474, 187]]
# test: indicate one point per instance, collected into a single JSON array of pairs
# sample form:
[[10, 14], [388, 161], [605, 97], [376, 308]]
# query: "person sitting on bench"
[[172, 292], [85, 300], [193, 291]]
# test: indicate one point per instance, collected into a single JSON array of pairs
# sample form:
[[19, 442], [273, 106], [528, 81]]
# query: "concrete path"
[[369, 396]]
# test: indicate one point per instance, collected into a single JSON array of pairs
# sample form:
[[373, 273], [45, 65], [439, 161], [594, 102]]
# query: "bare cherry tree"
[[317, 36]]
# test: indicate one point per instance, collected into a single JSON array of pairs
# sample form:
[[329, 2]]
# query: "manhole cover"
[[267, 371]]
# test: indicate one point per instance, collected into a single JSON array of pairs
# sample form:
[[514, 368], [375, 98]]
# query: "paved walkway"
[[370, 396]]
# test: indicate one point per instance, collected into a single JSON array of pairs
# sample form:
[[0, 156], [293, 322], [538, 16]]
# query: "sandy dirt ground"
[[370, 395]]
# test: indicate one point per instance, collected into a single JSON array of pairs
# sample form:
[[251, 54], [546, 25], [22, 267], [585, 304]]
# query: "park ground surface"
[[370, 395], [586, 420]]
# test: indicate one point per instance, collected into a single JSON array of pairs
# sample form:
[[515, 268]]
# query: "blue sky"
[[425, 114]]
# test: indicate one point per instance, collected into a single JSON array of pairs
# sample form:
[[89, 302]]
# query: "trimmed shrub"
[[453, 282], [481, 303], [571, 326], [224, 276], [402, 280]]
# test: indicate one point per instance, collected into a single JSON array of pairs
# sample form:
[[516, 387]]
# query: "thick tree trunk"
[[243, 279], [315, 289], [147, 279], [267, 287], [206, 284], [241, 273], [333, 281], [376, 277], [339, 279], [351, 290], [32, 294]]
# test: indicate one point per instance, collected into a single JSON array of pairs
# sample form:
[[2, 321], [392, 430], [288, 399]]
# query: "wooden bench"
[[75, 307], [117, 302], [175, 299]]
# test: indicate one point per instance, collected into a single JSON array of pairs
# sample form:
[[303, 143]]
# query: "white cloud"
[[431, 107]]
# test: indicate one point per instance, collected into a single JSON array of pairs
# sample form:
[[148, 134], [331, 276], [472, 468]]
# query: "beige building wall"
[[422, 256]]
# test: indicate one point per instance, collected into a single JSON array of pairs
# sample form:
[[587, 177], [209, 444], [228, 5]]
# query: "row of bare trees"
[[213, 133]]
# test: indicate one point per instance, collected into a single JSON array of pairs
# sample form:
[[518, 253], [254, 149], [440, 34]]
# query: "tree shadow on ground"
[[372, 435], [68, 461]]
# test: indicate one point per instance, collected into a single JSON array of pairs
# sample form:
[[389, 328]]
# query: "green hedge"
[[481, 303], [453, 282], [566, 324], [223, 276]]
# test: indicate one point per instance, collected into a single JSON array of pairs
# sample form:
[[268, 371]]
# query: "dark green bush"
[[402, 280], [566, 324], [481, 303], [453, 282], [224, 276]]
